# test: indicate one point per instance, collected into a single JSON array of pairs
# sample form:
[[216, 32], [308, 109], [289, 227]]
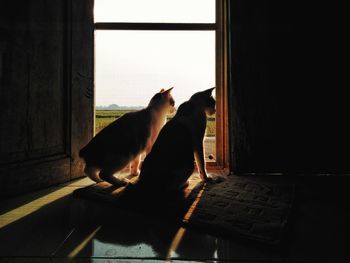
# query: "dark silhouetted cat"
[[124, 140], [171, 162]]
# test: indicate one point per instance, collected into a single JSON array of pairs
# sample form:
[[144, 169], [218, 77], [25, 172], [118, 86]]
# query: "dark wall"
[[32, 80], [289, 109], [46, 65]]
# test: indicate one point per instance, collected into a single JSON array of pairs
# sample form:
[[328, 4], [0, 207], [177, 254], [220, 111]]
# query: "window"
[[143, 46]]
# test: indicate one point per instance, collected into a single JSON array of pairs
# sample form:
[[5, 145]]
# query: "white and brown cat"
[[126, 139], [171, 162]]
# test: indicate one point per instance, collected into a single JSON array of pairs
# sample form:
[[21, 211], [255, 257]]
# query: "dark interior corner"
[[287, 116], [286, 88]]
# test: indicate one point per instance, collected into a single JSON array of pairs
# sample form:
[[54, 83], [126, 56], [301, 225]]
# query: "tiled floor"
[[52, 226]]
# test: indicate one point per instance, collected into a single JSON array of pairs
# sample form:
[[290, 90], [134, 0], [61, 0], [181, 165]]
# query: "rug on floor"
[[245, 208], [236, 207]]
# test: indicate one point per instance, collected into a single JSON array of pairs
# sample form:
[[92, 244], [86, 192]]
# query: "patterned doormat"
[[236, 207], [240, 207]]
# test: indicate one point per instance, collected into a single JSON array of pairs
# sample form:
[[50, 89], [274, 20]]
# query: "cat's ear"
[[167, 91], [162, 90], [209, 91]]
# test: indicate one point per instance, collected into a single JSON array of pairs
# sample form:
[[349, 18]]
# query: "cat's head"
[[205, 100], [163, 101]]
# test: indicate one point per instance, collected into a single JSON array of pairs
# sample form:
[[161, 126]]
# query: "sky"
[[131, 66]]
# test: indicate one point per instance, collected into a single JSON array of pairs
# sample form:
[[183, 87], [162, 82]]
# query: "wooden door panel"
[[32, 78], [46, 91]]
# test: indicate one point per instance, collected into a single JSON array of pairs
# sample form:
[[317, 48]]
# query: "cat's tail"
[[82, 152], [90, 170], [92, 173]]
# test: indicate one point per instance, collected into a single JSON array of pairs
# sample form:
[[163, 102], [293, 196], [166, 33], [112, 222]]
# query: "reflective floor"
[[52, 226]]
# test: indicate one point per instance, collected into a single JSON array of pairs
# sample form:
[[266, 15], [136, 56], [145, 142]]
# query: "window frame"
[[220, 27]]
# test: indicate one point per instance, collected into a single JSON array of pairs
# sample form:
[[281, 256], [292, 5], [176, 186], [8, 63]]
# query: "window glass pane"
[[131, 66], [158, 11]]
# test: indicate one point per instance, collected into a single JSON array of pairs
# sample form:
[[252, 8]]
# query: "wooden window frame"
[[220, 28]]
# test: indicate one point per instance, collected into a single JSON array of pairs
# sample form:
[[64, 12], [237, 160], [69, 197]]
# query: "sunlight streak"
[[175, 243], [181, 232], [193, 206], [81, 246], [33, 206]]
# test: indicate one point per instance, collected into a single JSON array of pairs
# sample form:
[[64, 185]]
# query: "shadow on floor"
[[56, 227]]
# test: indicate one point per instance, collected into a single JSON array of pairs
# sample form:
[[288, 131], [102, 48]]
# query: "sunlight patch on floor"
[[82, 245], [175, 243], [29, 208]]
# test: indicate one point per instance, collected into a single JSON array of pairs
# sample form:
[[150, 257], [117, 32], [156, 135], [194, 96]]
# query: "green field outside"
[[105, 117]]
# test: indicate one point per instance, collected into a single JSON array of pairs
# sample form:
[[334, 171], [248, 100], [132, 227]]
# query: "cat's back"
[[175, 144], [129, 122], [173, 147], [127, 133]]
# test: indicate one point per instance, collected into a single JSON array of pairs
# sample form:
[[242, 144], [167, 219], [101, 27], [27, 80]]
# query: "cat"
[[180, 142], [124, 141]]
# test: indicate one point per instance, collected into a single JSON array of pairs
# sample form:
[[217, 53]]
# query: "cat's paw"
[[214, 179], [133, 174], [119, 182]]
